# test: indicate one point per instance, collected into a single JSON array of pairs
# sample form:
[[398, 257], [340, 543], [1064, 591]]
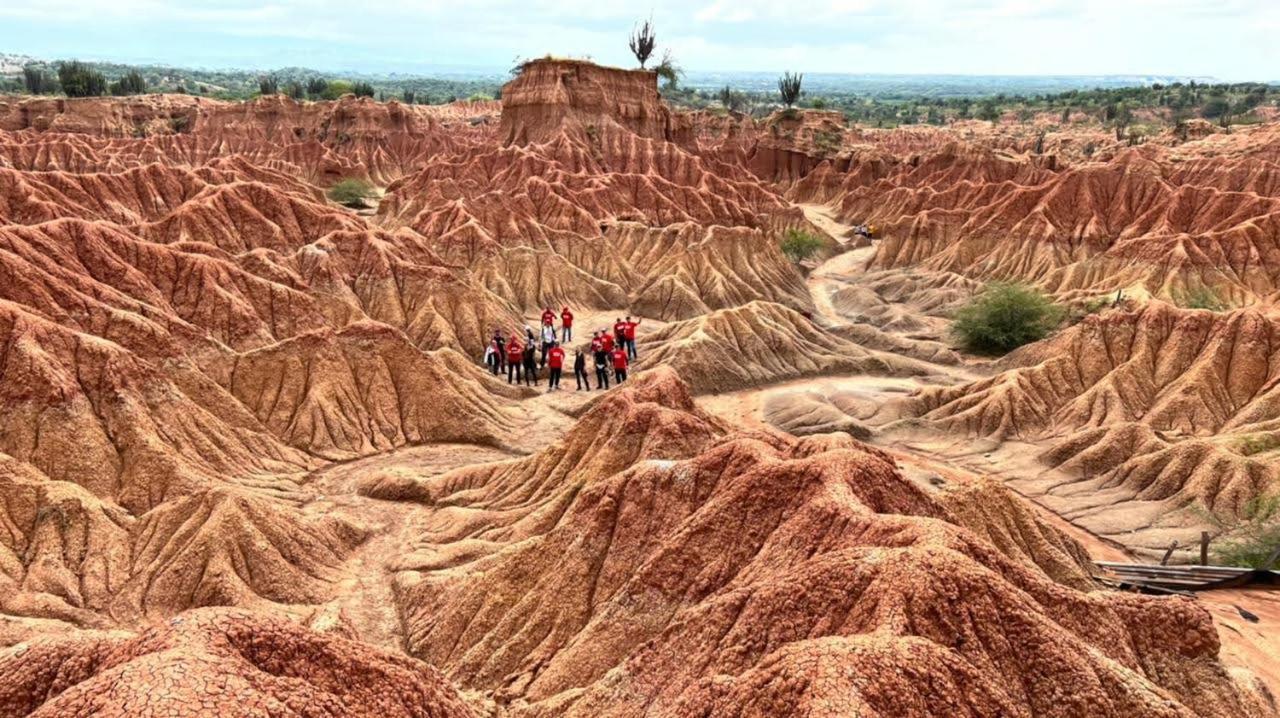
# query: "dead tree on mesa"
[[789, 88], [643, 41]]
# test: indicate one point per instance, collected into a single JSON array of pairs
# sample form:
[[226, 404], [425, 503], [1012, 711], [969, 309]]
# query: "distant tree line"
[[89, 79], [1126, 109]]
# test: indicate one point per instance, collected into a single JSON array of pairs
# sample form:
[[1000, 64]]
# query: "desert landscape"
[[253, 461]]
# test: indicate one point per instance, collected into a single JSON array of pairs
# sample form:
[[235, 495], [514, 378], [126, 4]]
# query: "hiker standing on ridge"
[[580, 370], [530, 366], [555, 360], [619, 365], [629, 337], [602, 367], [515, 354], [566, 326]]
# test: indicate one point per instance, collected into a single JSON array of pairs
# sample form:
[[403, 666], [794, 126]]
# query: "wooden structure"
[[1181, 579]]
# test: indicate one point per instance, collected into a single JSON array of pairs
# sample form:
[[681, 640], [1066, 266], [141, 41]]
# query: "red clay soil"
[[219, 662], [192, 335], [773, 576]]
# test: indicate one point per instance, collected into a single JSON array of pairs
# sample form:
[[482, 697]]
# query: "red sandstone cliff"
[[552, 94]]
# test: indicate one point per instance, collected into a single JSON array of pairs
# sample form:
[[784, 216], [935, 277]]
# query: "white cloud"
[[1228, 38]]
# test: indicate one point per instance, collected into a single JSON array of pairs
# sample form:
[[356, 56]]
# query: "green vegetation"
[[1249, 539], [38, 82], [80, 80], [1150, 108], [789, 88], [129, 84], [362, 89], [316, 87], [295, 90], [1005, 316], [268, 85], [1201, 298], [239, 84], [731, 99], [352, 193], [1259, 444], [643, 41], [669, 71], [800, 245], [336, 88]]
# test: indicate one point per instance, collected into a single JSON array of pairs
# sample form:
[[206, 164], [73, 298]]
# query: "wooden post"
[[1169, 552], [1204, 548]]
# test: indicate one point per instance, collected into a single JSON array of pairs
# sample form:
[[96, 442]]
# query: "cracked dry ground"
[[251, 465]]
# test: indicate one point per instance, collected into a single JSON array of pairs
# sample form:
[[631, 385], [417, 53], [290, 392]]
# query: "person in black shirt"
[[580, 370]]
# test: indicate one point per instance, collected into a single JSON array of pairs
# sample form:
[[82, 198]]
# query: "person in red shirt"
[[629, 333], [606, 341], [566, 326], [515, 359], [548, 317], [555, 361], [620, 331], [619, 365]]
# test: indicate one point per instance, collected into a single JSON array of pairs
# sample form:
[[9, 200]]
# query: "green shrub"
[[668, 71], [800, 245], [362, 89], [1249, 539], [351, 193], [80, 80], [268, 85], [295, 90], [316, 87], [336, 89], [1259, 444], [1004, 316], [1201, 298], [37, 81], [131, 83]]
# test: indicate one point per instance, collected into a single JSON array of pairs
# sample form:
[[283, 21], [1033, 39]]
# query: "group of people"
[[612, 351]]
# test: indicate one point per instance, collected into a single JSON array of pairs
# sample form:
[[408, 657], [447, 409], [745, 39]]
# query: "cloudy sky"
[[1229, 39]]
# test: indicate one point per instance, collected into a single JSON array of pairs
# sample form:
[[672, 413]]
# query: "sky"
[[1227, 39]]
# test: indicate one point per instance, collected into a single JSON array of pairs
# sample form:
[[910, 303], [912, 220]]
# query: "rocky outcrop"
[[759, 343], [1169, 221], [219, 662], [1160, 401], [765, 575], [551, 96]]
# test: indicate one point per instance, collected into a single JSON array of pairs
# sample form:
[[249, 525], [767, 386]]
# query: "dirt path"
[[821, 217], [363, 589]]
